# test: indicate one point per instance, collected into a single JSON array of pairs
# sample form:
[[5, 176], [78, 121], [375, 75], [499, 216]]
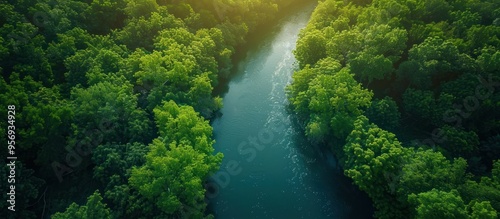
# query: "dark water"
[[269, 169]]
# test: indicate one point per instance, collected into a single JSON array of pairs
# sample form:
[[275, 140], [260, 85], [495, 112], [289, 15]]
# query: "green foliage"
[[332, 100], [114, 160], [373, 160], [93, 209], [480, 36], [58, 16], [463, 87], [384, 40], [104, 16], [486, 190], [495, 172], [110, 104], [310, 48], [438, 204], [113, 169], [426, 170], [371, 152], [445, 58], [23, 52], [177, 162], [140, 8], [183, 69], [384, 113], [380, 67], [482, 210], [423, 105], [459, 142], [95, 63], [99, 71], [489, 60], [87, 76], [190, 128], [343, 44], [434, 58], [49, 116], [146, 29]]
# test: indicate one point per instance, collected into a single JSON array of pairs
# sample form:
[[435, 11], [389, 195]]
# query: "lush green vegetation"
[[113, 100], [426, 71]]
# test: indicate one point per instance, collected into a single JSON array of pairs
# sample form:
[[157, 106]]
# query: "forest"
[[406, 95], [113, 100]]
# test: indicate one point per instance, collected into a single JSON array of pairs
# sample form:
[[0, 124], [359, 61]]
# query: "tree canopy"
[[432, 70], [104, 90]]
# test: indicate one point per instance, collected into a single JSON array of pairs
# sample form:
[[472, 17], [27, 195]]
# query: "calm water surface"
[[269, 170]]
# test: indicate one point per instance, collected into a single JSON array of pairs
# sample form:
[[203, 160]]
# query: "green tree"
[[426, 170], [93, 209], [48, 116], [438, 204], [423, 105], [172, 178], [63, 46], [384, 113], [140, 8], [93, 64], [175, 74], [311, 47], [26, 54], [385, 40], [368, 67], [480, 36], [190, 128], [489, 59], [302, 78], [109, 104], [344, 43], [117, 160], [177, 162], [332, 101], [487, 189], [104, 16], [459, 142], [373, 160], [434, 59], [429, 10], [463, 87], [113, 169], [145, 28], [58, 16], [482, 210]]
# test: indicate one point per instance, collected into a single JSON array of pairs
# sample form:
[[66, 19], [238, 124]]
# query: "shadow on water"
[[356, 204]]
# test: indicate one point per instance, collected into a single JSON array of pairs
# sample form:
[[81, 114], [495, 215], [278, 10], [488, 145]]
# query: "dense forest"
[[112, 102], [406, 95]]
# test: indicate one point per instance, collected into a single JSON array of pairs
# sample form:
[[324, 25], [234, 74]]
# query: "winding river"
[[269, 170]]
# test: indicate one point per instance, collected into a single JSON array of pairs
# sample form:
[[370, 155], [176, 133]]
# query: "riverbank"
[[269, 169]]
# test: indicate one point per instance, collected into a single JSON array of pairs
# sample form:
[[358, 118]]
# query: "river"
[[269, 169]]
